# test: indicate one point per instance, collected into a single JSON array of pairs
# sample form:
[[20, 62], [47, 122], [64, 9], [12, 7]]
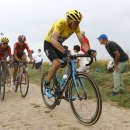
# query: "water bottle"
[[63, 80]]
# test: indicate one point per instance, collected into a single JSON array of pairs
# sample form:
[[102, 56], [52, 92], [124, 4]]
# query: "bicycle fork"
[[77, 88]]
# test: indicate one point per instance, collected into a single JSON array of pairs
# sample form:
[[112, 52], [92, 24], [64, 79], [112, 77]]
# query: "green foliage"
[[104, 81]]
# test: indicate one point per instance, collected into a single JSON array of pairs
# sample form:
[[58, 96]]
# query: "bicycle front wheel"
[[2, 85], [24, 84], [50, 102], [87, 105]]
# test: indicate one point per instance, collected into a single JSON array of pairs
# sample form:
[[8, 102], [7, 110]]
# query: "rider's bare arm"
[[9, 53], [29, 52], [55, 42], [30, 56], [10, 58]]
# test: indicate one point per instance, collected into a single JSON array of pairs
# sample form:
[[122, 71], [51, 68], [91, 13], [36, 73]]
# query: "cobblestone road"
[[30, 113]]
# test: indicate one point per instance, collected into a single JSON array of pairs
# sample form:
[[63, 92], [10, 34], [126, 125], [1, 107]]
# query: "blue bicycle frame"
[[73, 67], [72, 74]]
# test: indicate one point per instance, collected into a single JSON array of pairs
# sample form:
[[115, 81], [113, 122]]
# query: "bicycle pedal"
[[58, 101]]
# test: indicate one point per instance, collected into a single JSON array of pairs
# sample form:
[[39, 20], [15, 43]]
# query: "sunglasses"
[[5, 43], [76, 23], [22, 41]]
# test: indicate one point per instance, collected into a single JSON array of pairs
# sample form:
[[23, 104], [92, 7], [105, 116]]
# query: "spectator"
[[36, 60], [81, 60], [120, 61], [86, 41], [40, 55]]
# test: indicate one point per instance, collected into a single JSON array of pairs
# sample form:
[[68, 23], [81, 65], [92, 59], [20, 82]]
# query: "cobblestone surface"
[[30, 113]]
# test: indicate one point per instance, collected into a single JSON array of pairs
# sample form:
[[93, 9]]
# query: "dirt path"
[[30, 113]]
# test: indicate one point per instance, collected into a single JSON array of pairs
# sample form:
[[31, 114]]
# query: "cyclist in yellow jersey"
[[59, 32]]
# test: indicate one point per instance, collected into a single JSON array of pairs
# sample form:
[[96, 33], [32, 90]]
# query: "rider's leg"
[[51, 73], [15, 72], [4, 68], [53, 55], [15, 68], [24, 57], [53, 69]]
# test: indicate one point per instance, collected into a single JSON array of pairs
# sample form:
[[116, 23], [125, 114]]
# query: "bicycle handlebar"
[[82, 55], [21, 63]]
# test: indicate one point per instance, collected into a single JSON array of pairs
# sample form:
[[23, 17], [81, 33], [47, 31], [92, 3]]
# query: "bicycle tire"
[[2, 85], [88, 97], [16, 84], [50, 103], [23, 89], [8, 78]]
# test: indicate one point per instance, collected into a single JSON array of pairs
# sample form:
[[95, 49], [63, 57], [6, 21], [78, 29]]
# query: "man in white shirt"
[[40, 55], [81, 60], [36, 60]]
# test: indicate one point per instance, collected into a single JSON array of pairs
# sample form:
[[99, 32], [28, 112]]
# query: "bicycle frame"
[[74, 78], [72, 74], [19, 72]]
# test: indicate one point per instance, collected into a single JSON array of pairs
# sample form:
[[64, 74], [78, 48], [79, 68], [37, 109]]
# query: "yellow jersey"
[[65, 32]]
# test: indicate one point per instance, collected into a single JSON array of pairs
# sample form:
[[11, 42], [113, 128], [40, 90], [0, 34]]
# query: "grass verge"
[[104, 81]]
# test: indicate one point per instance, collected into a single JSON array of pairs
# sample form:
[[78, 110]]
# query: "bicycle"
[[80, 84], [22, 79], [8, 75], [3, 76], [2, 83]]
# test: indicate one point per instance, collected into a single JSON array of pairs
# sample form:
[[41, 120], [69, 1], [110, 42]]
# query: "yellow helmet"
[[4, 40], [74, 15]]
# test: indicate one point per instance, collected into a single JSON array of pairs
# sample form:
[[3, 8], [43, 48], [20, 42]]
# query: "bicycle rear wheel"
[[2, 85], [50, 102], [87, 106], [24, 84]]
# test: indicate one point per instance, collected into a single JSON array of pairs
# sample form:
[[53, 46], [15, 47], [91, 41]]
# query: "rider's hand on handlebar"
[[30, 62], [20, 60], [93, 53], [66, 53]]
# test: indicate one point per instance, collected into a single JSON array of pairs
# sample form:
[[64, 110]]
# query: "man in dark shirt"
[[120, 61]]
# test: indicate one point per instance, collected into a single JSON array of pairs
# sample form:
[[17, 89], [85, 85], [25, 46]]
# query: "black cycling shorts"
[[19, 56], [51, 52]]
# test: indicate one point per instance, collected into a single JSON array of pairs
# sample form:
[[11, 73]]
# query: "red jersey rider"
[[19, 54], [5, 51]]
